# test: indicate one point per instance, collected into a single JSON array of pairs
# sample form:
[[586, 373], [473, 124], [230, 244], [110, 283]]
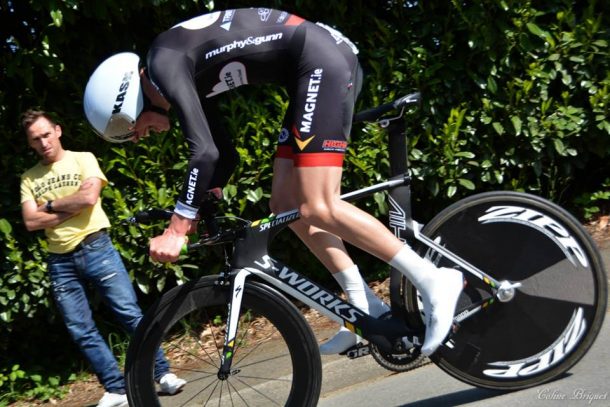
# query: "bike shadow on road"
[[467, 396], [457, 398]]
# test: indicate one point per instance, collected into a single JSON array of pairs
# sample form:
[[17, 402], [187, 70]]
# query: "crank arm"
[[357, 351]]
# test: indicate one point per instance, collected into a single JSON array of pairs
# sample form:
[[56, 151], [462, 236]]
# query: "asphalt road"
[[586, 384], [359, 383]]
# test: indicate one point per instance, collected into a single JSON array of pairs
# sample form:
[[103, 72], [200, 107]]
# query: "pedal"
[[357, 351]]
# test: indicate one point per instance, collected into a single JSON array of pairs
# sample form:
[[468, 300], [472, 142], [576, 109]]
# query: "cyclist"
[[194, 61]]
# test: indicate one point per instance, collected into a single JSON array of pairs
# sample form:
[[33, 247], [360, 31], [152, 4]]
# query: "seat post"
[[397, 147]]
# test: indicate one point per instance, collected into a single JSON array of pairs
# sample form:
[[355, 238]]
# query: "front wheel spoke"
[[274, 379], [258, 362], [216, 384], [251, 351], [239, 347], [237, 392], [207, 359], [258, 391]]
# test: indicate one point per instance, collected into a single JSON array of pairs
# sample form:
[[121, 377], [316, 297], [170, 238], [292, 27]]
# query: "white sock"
[[360, 295], [340, 342], [352, 284], [376, 306], [416, 268], [440, 290]]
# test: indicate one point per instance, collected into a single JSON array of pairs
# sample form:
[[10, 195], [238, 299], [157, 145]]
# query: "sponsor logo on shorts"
[[301, 143], [334, 145], [283, 135], [312, 98]]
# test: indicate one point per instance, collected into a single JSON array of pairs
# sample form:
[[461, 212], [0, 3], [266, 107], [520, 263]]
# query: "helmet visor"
[[119, 128]]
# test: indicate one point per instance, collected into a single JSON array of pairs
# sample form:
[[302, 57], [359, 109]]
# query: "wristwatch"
[[49, 207]]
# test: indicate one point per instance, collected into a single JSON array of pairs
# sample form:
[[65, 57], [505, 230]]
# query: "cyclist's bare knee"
[[320, 214]]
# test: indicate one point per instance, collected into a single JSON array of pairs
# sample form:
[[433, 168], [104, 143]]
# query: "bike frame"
[[252, 260], [558, 330]]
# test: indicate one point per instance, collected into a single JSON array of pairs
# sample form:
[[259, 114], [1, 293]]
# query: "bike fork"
[[237, 287]]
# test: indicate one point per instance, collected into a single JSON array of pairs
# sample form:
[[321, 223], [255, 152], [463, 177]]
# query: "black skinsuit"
[[213, 53]]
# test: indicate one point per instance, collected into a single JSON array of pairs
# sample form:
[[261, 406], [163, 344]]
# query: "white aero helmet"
[[113, 97]]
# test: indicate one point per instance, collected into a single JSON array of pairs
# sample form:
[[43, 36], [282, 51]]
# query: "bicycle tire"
[[276, 359], [553, 319]]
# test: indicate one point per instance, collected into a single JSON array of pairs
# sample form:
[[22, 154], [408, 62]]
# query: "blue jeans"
[[97, 263]]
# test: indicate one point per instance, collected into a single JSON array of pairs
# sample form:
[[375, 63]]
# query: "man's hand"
[[166, 247]]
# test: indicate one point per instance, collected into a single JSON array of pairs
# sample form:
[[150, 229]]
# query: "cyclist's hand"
[[193, 228], [149, 121], [166, 248]]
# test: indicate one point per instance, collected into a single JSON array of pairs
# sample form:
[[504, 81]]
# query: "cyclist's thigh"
[[282, 192]]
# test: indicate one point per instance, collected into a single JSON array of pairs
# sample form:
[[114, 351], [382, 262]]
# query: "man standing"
[[61, 194]]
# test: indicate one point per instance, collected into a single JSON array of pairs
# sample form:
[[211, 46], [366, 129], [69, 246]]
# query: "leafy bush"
[[595, 203], [19, 384], [516, 96]]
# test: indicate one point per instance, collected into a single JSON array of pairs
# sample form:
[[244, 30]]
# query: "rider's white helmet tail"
[[113, 97]]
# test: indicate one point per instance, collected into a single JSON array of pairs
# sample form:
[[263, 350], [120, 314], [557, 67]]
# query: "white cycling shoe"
[[342, 341], [440, 299]]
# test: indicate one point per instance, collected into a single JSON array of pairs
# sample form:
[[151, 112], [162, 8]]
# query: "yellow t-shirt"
[[43, 183]]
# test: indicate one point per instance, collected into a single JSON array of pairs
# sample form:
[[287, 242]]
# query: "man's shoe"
[[170, 383], [113, 400]]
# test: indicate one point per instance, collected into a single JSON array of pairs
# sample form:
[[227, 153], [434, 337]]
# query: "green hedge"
[[516, 96]]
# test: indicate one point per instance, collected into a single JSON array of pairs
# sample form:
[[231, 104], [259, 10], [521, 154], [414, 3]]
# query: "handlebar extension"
[[375, 113], [150, 215]]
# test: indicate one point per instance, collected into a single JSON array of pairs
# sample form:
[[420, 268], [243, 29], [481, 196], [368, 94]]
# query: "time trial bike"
[[534, 301]]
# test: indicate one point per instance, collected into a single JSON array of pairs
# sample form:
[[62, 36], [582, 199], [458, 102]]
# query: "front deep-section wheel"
[[553, 317], [275, 361]]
